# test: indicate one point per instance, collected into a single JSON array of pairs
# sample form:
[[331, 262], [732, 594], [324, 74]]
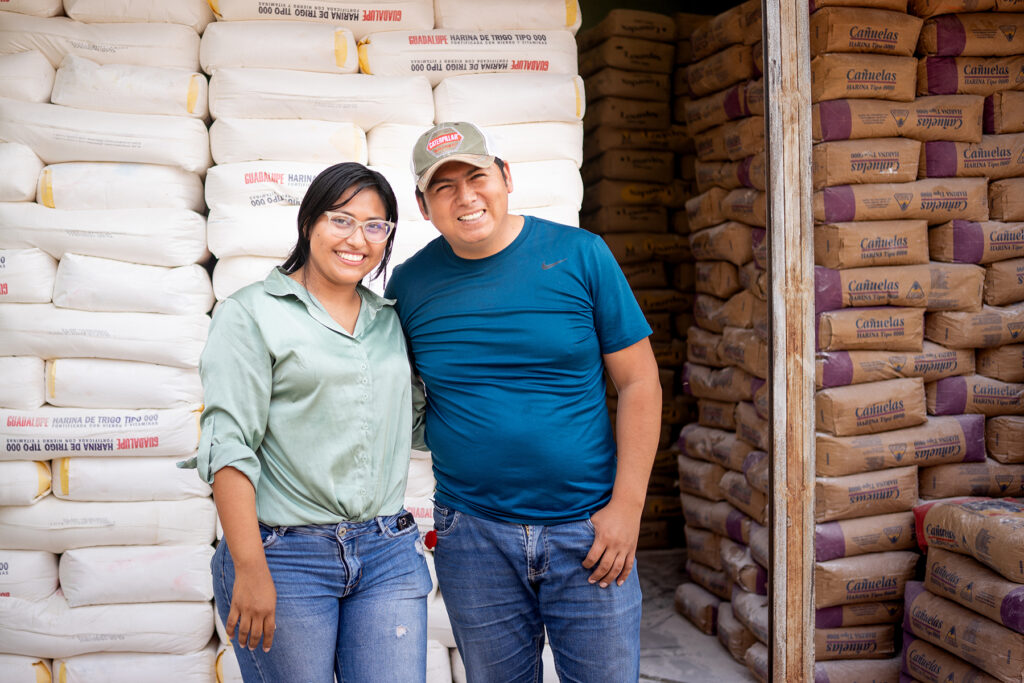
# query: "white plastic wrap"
[[439, 626], [104, 383], [279, 45], [269, 231], [538, 141], [132, 667], [158, 237], [98, 284], [566, 215], [440, 53], [57, 525], [26, 276], [360, 17], [404, 186], [193, 13], [498, 99], [52, 628], [259, 183], [110, 185], [234, 272], [58, 432], [22, 669], [478, 15], [21, 171], [30, 575], [39, 8], [439, 663], [26, 76], [125, 479], [58, 134], [130, 574], [329, 142], [391, 145], [130, 89], [364, 100], [22, 388], [545, 183], [23, 482]]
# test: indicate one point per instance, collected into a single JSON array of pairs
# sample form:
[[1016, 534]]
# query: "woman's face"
[[336, 261]]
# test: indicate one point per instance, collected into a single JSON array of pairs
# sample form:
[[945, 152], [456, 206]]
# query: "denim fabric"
[[504, 584], [351, 603]]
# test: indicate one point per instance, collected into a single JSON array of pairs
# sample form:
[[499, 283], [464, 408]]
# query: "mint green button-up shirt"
[[318, 419]]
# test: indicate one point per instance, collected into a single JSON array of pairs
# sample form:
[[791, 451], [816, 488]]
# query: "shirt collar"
[[277, 283]]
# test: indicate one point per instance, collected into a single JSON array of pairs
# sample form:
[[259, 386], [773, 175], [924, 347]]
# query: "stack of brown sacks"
[[965, 622], [627, 60], [723, 472]]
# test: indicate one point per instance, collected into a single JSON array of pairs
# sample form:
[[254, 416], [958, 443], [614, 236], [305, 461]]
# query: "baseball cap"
[[449, 141]]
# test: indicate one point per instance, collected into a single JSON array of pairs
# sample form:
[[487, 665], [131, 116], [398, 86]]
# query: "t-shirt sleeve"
[[617, 316]]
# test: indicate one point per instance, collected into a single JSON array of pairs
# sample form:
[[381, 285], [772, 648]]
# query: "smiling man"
[[512, 323]]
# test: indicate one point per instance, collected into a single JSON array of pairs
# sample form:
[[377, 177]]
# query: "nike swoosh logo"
[[547, 266]]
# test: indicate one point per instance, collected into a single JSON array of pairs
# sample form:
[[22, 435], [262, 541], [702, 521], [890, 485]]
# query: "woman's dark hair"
[[323, 194]]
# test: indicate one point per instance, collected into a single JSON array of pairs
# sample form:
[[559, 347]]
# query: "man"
[[512, 322]]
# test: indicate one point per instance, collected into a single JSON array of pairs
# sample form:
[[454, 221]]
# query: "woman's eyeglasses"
[[343, 225]]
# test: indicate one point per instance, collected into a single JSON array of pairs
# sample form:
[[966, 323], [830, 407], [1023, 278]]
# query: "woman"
[[305, 438]]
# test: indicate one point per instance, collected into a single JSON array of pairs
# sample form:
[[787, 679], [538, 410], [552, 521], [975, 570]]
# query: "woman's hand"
[[253, 602]]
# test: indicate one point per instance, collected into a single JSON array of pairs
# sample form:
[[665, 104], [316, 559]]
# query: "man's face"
[[469, 207]]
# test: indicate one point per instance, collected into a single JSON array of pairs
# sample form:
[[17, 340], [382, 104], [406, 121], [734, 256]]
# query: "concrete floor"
[[672, 650]]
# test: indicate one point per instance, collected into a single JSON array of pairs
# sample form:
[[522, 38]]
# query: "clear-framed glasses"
[[343, 225]]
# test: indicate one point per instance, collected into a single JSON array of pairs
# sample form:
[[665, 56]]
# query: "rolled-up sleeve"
[[236, 371]]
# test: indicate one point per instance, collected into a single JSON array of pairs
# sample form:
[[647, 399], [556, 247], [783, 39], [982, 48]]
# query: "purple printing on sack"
[[828, 617], [837, 369], [968, 242], [940, 159], [950, 36], [840, 204], [988, 119], [835, 119], [950, 396], [829, 542], [828, 289], [1011, 612], [943, 78], [974, 437]]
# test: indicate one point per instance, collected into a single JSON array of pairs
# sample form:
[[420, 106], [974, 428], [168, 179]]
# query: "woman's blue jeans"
[[503, 584], [351, 603]]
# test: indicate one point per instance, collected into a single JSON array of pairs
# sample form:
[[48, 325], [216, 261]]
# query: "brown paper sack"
[[927, 8], [861, 614], [871, 243], [731, 452], [856, 29], [1004, 438], [761, 401], [1004, 112], [604, 138], [895, 5], [741, 568], [979, 34], [759, 545], [845, 162], [696, 510], [935, 200], [1006, 199], [871, 408], [946, 439], [857, 642], [1004, 282], [992, 326], [717, 278], [711, 580], [835, 76], [989, 478], [702, 347], [737, 490], [727, 521], [966, 582], [754, 280], [856, 670], [631, 54], [863, 495], [736, 311], [627, 219], [935, 286], [716, 109], [717, 414], [751, 610], [635, 85], [743, 348], [629, 24], [976, 242], [683, 276], [746, 206], [700, 478], [1005, 363], [619, 112], [940, 117], [750, 427], [969, 75], [697, 605], [649, 275], [925, 662], [734, 636], [732, 242], [756, 659], [975, 394], [990, 531], [723, 174], [756, 469], [627, 192], [705, 209], [725, 384], [727, 28], [864, 535], [732, 141], [717, 72], [933, 362], [703, 546], [629, 164], [885, 327], [864, 578], [996, 156]]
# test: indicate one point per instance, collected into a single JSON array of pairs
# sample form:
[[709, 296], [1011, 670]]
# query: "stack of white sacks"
[[103, 308], [103, 313]]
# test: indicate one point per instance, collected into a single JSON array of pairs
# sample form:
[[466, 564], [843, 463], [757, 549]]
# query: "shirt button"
[[365, 397], [362, 491], [364, 380]]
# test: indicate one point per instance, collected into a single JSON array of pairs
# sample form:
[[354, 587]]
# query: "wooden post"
[[791, 309]]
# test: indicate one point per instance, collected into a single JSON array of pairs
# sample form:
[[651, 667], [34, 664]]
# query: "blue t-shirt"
[[509, 348]]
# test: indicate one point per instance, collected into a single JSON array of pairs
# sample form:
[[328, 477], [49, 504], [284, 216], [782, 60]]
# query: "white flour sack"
[[475, 15], [22, 669], [21, 171], [259, 183], [234, 272], [39, 8], [52, 628], [57, 525], [125, 479], [566, 215], [131, 667], [226, 666], [123, 574], [159, 237], [365, 101], [360, 17], [194, 13], [104, 383], [330, 142], [147, 44], [241, 231], [278, 45], [29, 574], [545, 183], [390, 144], [440, 53], [23, 482], [496, 99], [98, 284], [26, 276], [84, 84], [404, 186], [51, 332], [57, 134], [22, 388], [538, 141], [111, 185], [55, 432], [26, 76]]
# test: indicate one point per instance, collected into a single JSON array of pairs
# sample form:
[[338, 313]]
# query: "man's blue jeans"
[[351, 603], [504, 583]]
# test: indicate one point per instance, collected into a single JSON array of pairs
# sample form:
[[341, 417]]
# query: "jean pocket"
[[403, 525], [445, 520], [268, 535]]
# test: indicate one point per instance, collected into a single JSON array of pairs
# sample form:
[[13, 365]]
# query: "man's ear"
[[421, 201], [507, 175]]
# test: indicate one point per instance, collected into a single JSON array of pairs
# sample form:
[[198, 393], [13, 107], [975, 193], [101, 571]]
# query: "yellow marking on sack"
[[579, 99], [215, 6], [193, 93], [46, 188], [219, 667], [340, 47], [199, 423], [64, 478], [42, 672], [570, 12], [43, 472], [364, 59], [51, 379], [63, 676]]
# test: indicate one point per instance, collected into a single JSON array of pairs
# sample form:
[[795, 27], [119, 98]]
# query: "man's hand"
[[616, 530]]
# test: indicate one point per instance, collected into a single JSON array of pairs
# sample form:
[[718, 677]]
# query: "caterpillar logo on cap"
[[446, 141]]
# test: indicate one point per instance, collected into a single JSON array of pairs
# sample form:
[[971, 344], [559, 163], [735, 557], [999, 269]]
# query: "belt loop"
[[381, 525]]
